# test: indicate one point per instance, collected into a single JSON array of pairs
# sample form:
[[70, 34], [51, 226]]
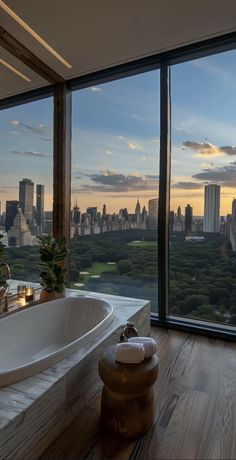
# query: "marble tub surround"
[[36, 410]]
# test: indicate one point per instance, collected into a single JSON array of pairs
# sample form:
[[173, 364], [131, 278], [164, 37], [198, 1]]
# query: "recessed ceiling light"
[[17, 72], [34, 34]]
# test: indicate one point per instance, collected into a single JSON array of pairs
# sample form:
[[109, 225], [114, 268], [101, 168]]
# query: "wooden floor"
[[195, 408]]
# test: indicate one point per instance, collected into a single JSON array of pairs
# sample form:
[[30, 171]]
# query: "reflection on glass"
[[202, 217], [115, 152]]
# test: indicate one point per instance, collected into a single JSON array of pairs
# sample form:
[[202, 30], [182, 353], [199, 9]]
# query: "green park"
[[202, 277]]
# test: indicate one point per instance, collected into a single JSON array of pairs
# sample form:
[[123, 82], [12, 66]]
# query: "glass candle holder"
[[21, 291], [29, 293]]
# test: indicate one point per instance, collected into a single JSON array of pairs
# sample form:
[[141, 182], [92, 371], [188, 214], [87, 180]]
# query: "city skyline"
[[115, 139], [37, 201]]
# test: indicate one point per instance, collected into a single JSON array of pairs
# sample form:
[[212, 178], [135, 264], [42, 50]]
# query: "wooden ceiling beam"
[[23, 54]]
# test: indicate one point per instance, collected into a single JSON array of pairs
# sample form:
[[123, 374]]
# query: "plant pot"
[[46, 296]]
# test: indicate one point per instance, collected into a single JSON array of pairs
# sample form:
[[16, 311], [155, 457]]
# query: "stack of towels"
[[135, 350]]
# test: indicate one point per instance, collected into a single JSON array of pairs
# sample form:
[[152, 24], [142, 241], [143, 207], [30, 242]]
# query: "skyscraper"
[[40, 205], [152, 213], [11, 211], [138, 212], [104, 210], [188, 219], [26, 197], [76, 215], [92, 212], [211, 208], [179, 212], [233, 217]]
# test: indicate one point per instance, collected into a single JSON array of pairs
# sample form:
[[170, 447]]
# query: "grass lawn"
[[97, 269], [143, 244]]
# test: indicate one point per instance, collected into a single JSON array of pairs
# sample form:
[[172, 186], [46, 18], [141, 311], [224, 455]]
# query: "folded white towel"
[[149, 344], [129, 352]]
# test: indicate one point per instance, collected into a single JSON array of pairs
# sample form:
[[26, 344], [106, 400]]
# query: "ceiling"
[[95, 34]]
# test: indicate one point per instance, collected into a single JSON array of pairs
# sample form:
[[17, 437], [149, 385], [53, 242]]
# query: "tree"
[[124, 266]]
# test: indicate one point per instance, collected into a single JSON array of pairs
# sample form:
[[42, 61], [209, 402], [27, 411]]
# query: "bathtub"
[[36, 338]]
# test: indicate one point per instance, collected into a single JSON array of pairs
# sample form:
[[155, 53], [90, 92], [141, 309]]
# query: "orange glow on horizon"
[[178, 198]]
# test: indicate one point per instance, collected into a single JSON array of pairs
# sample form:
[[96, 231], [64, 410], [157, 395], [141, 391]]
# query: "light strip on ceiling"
[[17, 72], [34, 34]]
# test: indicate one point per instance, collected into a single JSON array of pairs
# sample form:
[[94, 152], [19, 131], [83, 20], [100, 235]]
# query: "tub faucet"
[[4, 288]]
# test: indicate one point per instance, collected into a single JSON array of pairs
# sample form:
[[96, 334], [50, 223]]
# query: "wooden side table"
[[127, 405]]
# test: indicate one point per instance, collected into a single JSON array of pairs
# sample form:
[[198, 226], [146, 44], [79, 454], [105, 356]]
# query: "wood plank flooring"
[[195, 408]]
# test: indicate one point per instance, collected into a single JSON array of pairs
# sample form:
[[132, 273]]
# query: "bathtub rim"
[[62, 353]]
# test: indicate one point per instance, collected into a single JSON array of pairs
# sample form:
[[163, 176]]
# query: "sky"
[[115, 139]]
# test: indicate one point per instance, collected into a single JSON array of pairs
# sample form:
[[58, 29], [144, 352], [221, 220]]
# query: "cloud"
[[134, 146], [114, 182], [225, 175], [30, 153], [14, 123], [208, 149], [207, 165], [45, 132], [228, 149], [95, 89], [108, 152], [202, 148], [188, 185], [152, 176], [144, 157]]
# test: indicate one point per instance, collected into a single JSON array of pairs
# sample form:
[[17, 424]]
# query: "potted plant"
[[53, 253]]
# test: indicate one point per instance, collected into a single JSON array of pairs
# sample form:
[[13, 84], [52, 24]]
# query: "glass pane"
[[115, 158], [203, 187], [26, 183]]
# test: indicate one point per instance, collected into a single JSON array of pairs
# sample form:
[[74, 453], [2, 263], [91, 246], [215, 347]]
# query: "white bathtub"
[[36, 338]]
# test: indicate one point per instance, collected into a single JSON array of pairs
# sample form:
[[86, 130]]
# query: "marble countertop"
[[16, 398]]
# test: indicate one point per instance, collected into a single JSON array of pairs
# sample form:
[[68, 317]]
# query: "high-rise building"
[[152, 213], [76, 215], [104, 210], [138, 212], [40, 205], [11, 211], [19, 234], [188, 219], [26, 198], [233, 217], [92, 213], [211, 208], [144, 215]]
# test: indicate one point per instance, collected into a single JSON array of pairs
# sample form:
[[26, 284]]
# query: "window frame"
[[162, 61]]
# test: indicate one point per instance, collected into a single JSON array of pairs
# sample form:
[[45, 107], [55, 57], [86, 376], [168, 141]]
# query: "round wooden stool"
[[127, 405]]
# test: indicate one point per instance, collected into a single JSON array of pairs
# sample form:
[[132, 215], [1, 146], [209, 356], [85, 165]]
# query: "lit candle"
[[29, 293], [21, 291]]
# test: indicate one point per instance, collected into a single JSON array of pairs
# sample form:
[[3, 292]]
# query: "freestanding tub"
[[35, 338]]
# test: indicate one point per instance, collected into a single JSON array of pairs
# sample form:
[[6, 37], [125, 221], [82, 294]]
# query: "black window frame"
[[162, 61]]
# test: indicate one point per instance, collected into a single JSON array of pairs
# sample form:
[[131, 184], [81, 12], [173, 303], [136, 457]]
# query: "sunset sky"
[[115, 141]]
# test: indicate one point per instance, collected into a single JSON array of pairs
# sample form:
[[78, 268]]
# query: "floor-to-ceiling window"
[[115, 158], [26, 189], [202, 218], [115, 187]]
